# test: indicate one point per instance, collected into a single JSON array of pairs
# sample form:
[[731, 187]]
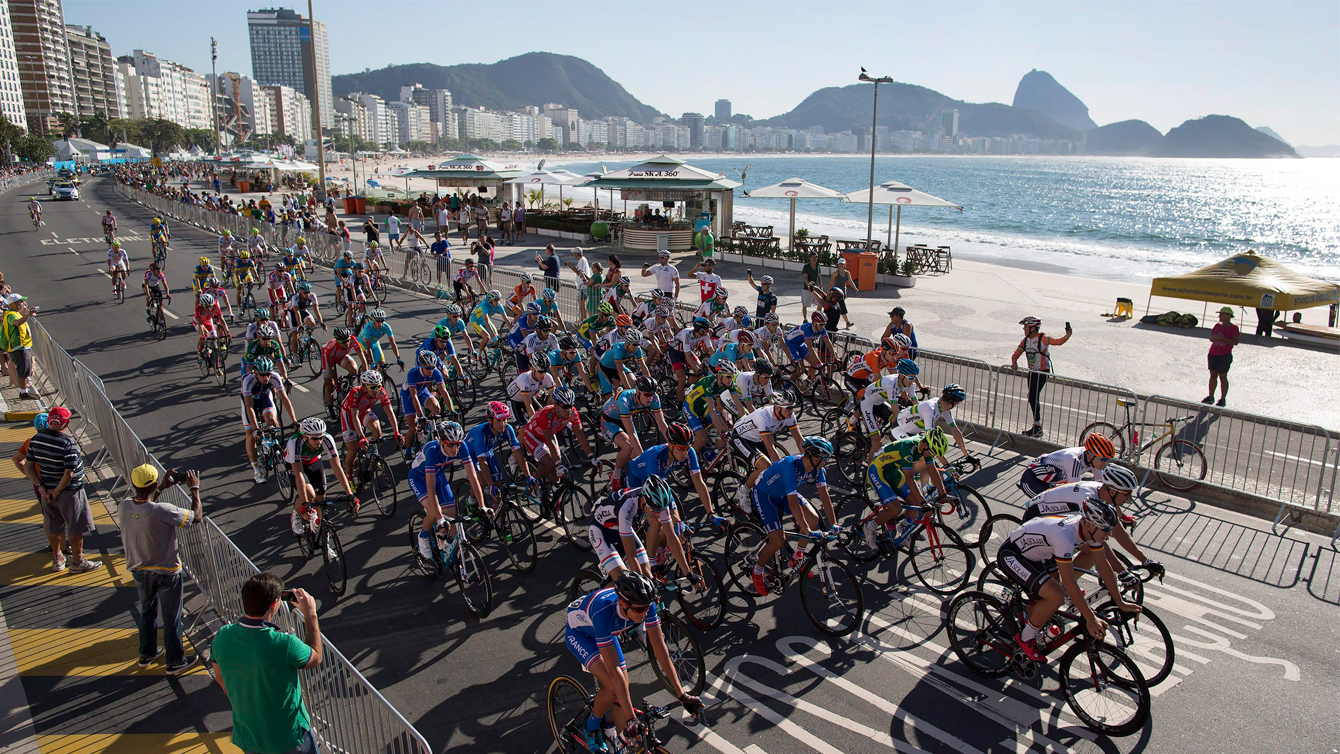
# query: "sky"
[[1273, 64]]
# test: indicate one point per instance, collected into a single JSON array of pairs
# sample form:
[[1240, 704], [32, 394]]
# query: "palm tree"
[[533, 197], [98, 127], [69, 125], [162, 134]]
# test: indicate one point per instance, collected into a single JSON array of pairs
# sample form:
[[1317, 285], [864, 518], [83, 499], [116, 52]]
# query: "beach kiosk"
[[488, 178], [667, 183]]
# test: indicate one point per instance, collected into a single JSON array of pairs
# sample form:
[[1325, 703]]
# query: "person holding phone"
[[1036, 348]]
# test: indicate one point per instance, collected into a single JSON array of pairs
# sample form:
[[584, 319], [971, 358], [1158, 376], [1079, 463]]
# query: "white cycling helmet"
[[206, 300], [312, 426], [371, 378]]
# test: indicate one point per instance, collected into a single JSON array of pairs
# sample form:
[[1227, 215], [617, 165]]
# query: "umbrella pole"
[[791, 239], [888, 236], [897, 233]]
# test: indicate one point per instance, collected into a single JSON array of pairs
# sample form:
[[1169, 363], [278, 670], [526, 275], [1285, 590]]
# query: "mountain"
[[904, 107], [1220, 136], [1039, 91], [1268, 131], [1128, 137], [530, 79], [1330, 150]]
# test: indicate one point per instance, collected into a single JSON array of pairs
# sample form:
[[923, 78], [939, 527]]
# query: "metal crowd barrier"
[[974, 375], [1068, 405]]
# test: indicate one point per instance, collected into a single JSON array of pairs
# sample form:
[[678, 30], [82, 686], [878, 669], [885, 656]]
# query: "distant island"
[[1220, 136]]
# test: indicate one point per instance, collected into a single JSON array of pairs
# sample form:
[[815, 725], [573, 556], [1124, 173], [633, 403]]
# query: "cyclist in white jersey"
[[1116, 490], [756, 439], [118, 262], [527, 385], [1067, 465], [754, 388], [926, 414]]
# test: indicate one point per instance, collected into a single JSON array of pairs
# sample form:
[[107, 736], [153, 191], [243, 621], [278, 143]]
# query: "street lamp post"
[[874, 118], [214, 95]]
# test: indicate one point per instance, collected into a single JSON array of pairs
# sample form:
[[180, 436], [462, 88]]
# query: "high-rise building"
[[949, 123], [11, 95], [411, 119], [723, 111], [159, 88], [377, 119], [284, 45], [565, 121], [694, 122], [43, 58], [97, 85]]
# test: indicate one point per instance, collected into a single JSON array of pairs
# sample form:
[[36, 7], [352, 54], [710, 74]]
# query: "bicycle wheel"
[[473, 579], [831, 596], [477, 528], [382, 486], [587, 580], [852, 512], [849, 457], [742, 540], [220, 369], [981, 633], [823, 394], [518, 536], [1105, 690], [332, 555], [1180, 465], [685, 656], [431, 568], [574, 508], [205, 360], [476, 368], [726, 487], [379, 291], [464, 393], [284, 478], [966, 516], [1108, 430], [306, 543], [993, 534], [945, 566], [568, 710], [705, 605], [1150, 644], [312, 356]]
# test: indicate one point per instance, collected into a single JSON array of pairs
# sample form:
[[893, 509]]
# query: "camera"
[[171, 478], [287, 596]]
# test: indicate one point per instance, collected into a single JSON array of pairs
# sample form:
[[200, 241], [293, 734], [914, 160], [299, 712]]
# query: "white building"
[[11, 95], [97, 85], [159, 88], [292, 112], [377, 119], [43, 58], [411, 121]]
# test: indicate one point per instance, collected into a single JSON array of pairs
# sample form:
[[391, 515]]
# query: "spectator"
[[505, 224], [1036, 349], [56, 467], [484, 257], [441, 249], [393, 231], [1223, 337], [667, 276], [463, 221], [17, 341], [416, 217], [442, 217], [548, 263], [898, 324], [481, 217], [149, 532], [1265, 321], [767, 300], [811, 273], [708, 280], [257, 666], [841, 280], [370, 231], [594, 290], [39, 423], [518, 222]]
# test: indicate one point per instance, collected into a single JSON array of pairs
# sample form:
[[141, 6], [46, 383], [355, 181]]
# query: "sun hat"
[[1227, 310]]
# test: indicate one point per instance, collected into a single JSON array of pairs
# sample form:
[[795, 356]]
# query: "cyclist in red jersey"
[[540, 434], [342, 351], [208, 321], [357, 421]]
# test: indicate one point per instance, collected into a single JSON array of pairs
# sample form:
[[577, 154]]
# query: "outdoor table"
[[855, 246], [816, 244]]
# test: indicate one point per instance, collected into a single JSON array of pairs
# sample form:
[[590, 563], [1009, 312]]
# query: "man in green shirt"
[[257, 665]]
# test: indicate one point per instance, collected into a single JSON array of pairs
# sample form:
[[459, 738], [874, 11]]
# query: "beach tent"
[[541, 176], [793, 189], [1247, 280], [898, 195]]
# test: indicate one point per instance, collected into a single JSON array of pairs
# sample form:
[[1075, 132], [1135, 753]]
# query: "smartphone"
[[748, 271], [287, 596], [1067, 326]]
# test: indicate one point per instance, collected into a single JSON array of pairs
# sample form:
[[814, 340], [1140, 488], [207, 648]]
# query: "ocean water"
[[1121, 218]]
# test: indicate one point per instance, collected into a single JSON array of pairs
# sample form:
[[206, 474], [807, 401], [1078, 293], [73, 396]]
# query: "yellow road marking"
[[34, 569], [83, 651], [16, 434], [10, 471], [138, 743]]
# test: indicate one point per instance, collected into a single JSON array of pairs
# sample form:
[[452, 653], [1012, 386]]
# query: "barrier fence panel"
[[973, 375], [1067, 406]]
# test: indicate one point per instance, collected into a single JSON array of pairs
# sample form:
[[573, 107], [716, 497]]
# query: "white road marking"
[[72, 251], [707, 735], [299, 387], [104, 273], [170, 314], [765, 712]]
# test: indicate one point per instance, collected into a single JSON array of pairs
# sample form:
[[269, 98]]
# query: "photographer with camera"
[[149, 534]]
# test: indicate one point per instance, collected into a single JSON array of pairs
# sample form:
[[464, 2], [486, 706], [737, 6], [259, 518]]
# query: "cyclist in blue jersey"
[[739, 353], [487, 439], [481, 318], [797, 341], [616, 421], [614, 523], [614, 371], [455, 324], [592, 635], [343, 267], [370, 337], [424, 394], [778, 491], [428, 480], [439, 344], [549, 307], [524, 326], [676, 454], [567, 360]]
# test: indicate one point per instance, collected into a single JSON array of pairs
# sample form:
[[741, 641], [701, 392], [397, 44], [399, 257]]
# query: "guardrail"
[[1292, 464]]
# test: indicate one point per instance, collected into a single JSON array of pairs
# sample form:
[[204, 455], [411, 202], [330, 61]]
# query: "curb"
[[21, 416]]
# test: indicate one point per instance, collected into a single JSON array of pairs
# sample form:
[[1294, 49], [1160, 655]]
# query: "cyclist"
[[357, 291], [261, 322], [522, 327], [343, 267], [616, 422], [214, 287], [756, 440], [226, 248], [303, 309], [428, 480], [108, 226], [769, 333], [739, 319], [798, 340], [874, 408], [306, 454], [703, 405], [256, 244], [439, 344], [35, 210], [357, 421], [565, 360], [661, 330], [715, 307], [1048, 545], [155, 287], [489, 437], [259, 389], [870, 367], [614, 519], [1068, 465], [265, 346], [277, 285], [778, 492], [909, 386], [342, 351], [159, 237], [532, 382], [614, 371], [374, 329], [208, 321], [199, 274], [753, 387], [662, 460], [460, 282], [299, 253], [895, 474], [592, 636], [737, 353], [591, 328], [617, 292], [118, 263], [917, 419], [481, 319], [455, 325], [292, 262], [516, 300], [540, 435], [424, 393], [372, 256], [245, 270], [549, 307], [541, 341]]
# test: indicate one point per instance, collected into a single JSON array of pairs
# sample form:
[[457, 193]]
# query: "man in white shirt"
[[443, 221], [667, 277]]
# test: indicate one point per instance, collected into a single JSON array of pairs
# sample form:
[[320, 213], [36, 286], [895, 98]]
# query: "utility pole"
[[214, 94], [316, 112], [874, 123]]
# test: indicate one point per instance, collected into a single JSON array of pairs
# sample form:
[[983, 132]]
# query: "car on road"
[[64, 190]]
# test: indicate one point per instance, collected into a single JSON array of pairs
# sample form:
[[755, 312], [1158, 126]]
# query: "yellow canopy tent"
[[1248, 280]]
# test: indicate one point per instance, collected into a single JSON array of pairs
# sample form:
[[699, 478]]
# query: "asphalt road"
[[1253, 616]]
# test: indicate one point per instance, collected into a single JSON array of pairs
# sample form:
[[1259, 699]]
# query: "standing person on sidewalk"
[[1223, 337], [505, 224], [811, 273], [548, 263], [1265, 322], [257, 666], [371, 232], [149, 533], [441, 249], [518, 222], [898, 325], [1036, 348], [393, 231], [55, 465], [463, 221], [667, 275], [17, 341], [841, 280], [442, 217]]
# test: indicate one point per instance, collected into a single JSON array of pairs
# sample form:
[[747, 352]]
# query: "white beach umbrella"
[[557, 176], [898, 195], [793, 189]]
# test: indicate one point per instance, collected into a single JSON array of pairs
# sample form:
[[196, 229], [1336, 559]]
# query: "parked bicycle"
[[1179, 463]]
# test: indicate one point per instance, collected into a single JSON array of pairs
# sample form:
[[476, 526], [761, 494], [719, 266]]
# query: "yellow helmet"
[[158, 221], [244, 254], [302, 241], [255, 231], [204, 260]]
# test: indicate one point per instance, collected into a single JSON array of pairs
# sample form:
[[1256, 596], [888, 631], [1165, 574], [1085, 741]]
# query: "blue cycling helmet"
[[701, 323], [954, 392], [550, 294], [532, 308], [746, 321], [817, 446], [908, 368], [40, 421]]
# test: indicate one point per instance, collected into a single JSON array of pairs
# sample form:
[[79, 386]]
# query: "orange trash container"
[[869, 265]]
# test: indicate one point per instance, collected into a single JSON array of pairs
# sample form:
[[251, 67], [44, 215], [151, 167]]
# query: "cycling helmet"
[[442, 332], [765, 280], [722, 293], [567, 343], [116, 244], [634, 588], [204, 260], [937, 441], [739, 312], [263, 365], [244, 255], [539, 362], [206, 300], [1119, 478], [229, 233], [817, 446], [645, 385], [158, 221], [303, 242], [622, 320], [889, 344], [1030, 322], [605, 308], [544, 323], [499, 410], [343, 333], [427, 359], [1100, 446], [746, 321], [526, 277], [378, 314], [657, 494], [678, 434], [701, 323], [255, 231], [819, 318], [902, 340], [304, 286], [312, 426], [371, 244], [782, 400], [358, 266], [348, 254], [727, 367], [657, 295], [450, 431], [954, 392], [371, 378], [908, 368], [213, 283], [663, 254], [771, 318], [1100, 514], [662, 312], [40, 421], [762, 367], [453, 310], [549, 294], [469, 263], [154, 266], [532, 308], [495, 295], [625, 281], [840, 293], [564, 396], [633, 337], [746, 336]]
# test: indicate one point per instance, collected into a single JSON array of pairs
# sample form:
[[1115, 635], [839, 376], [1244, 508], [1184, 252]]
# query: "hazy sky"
[[1275, 64]]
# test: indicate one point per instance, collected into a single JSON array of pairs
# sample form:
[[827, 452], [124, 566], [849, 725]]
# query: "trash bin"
[[868, 266], [360, 205], [662, 241], [350, 206], [853, 260]]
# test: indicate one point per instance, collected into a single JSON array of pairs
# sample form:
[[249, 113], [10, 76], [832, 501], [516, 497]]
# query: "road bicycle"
[[457, 556], [829, 591], [513, 530], [418, 270], [246, 300], [319, 536], [939, 558], [568, 503], [496, 358], [377, 284], [154, 314], [212, 359], [119, 286], [1102, 685], [570, 705], [372, 474], [270, 457], [308, 350], [1179, 463]]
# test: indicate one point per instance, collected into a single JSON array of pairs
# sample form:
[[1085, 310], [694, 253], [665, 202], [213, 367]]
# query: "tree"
[[163, 135], [34, 148], [546, 145], [124, 130], [511, 145], [10, 135], [68, 125], [98, 127], [200, 137], [533, 197]]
